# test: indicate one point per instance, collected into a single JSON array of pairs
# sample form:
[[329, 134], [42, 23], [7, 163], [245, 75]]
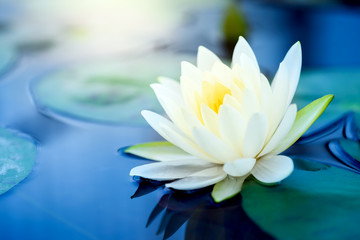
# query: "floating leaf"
[[17, 156], [307, 205], [113, 91]]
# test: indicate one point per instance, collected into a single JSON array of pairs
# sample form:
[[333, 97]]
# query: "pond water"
[[73, 90]]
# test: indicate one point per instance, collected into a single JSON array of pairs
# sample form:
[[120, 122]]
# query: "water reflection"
[[204, 219], [332, 144]]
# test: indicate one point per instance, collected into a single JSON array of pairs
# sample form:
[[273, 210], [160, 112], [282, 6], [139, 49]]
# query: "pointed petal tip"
[[330, 97], [296, 47], [146, 113], [153, 85]]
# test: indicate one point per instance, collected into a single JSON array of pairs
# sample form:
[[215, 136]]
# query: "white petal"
[[155, 120], [232, 101], [189, 90], [265, 95], [190, 119], [169, 170], [169, 92], [227, 188], [232, 126], [210, 119], [292, 61], [172, 106], [206, 59], [186, 144], [280, 87], [223, 73], [252, 72], [249, 103], [200, 179], [273, 169], [213, 145], [191, 72], [255, 135], [240, 167], [243, 47], [170, 132], [170, 83], [282, 130]]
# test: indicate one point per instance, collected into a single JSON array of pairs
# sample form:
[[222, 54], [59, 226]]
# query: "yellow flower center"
[[212, 94]]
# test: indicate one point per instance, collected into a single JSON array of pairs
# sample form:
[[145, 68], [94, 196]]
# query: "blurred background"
[[93, 58]]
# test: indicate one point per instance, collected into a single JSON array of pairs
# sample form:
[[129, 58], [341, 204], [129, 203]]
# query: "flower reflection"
[[204, 219], [329, 145]]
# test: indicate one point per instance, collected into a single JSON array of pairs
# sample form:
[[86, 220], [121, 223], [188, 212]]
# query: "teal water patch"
[[343, 83], [109, 91], [351, 147], [17, 158], [307, 205]]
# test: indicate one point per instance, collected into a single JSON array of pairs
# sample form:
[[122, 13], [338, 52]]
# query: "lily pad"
[[110, 91], [17, 157], [307, 205]]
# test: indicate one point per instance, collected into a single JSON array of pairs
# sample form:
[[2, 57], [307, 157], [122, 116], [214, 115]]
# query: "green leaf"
[[307, 205], [112, 91], [227, 188], [159, 151], [304, 119], [17, 157]]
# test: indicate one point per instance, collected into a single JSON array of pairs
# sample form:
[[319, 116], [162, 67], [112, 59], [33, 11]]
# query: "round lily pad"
[[17, 157], [110, 91], [307, 205]]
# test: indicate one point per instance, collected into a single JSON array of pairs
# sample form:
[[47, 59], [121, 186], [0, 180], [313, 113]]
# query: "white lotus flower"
[[226, 123]]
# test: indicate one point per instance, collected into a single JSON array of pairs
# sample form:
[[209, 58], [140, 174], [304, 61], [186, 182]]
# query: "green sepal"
[[304, 119], [227, 188], [158, 151]]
